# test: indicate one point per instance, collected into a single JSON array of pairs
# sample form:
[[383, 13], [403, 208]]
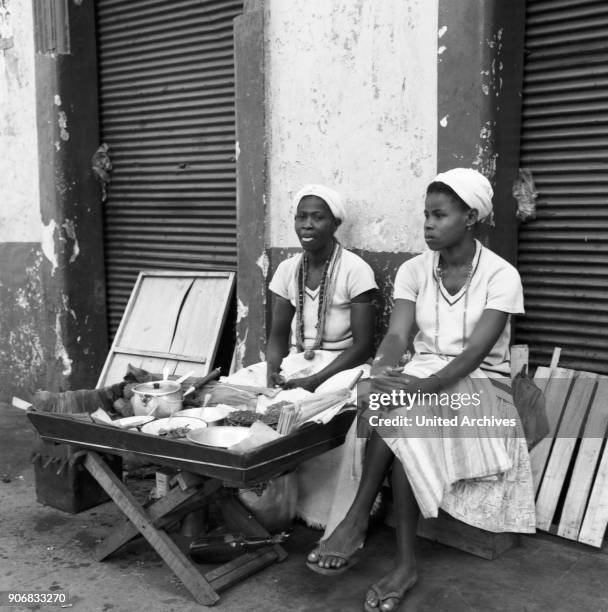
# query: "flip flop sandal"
[[350, 559], [382, 598]]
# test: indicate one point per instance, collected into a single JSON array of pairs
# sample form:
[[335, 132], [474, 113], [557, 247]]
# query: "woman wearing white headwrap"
[[322, 315], [322, 299], [461, 296]]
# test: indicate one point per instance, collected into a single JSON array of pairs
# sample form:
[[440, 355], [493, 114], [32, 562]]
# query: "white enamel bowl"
[[220, 437]]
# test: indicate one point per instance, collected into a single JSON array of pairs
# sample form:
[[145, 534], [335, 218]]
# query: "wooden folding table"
[[205, 472]]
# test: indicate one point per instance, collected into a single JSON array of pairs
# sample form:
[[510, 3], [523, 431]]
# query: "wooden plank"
[[103, 377], [202, 317], [192, 579], [555, 390], [160, 354], [519, 358], [151, 324], [167, 509], [450, 532], [240, 568], [563, 447], [557, 351], [596, 518], [586, 462]]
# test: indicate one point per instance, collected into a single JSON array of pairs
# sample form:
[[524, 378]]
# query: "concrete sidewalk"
[[43, 549]]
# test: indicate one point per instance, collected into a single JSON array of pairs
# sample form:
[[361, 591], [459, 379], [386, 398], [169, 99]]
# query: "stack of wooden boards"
[[570, 466]]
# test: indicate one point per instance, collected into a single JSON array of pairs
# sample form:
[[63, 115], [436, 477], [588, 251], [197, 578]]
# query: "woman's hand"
[[393, 378], [310, 383], [385, 370], [274, 379]]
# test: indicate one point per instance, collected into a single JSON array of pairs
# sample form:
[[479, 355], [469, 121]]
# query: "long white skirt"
[[483, 481]]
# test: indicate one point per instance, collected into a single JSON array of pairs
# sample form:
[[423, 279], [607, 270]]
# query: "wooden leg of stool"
[[192, 579], [166, 510]]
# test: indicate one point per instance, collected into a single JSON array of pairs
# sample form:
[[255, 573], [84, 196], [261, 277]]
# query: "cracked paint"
[[62, 120], [441, 50], [443, 122], [57, 100], [241, 347], [242, 311], [66, 306], [263, 263], [60, 351], [237, 150], [48, 243], [486, 158], [442, 31], [70, 230]]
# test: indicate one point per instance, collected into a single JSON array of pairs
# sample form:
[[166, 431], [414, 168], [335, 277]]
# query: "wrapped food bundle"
[[79, 401]]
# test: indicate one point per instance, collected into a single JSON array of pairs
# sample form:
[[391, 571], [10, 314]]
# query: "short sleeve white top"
[[354, 277], [495, 284]]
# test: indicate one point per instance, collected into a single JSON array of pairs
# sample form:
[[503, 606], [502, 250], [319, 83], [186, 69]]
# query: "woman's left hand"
[[394, 379], [309, 383]]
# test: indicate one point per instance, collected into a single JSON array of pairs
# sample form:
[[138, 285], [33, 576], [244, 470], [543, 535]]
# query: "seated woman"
[[461, 296], [323, 316]]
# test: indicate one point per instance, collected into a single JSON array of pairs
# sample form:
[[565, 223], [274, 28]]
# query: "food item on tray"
[[174, 433], [246, 418]]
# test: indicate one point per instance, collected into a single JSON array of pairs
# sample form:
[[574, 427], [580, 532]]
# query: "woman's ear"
[[338, 222], [472, 218]]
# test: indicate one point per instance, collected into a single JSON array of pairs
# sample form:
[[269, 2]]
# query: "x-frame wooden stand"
[[191, 493]]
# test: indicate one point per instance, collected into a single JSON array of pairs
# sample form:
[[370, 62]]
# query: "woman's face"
[[446, 221], [314, 223]]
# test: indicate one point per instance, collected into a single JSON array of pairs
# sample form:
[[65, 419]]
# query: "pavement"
[[46, 550]]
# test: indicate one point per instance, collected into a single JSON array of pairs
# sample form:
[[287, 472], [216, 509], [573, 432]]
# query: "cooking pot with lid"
[[159, 398]]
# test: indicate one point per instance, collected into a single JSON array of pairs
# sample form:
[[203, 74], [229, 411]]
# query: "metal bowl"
[[212, 415], [221, 437]]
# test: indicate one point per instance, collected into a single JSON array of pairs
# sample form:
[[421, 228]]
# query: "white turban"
[[472, 187], [329, 196]]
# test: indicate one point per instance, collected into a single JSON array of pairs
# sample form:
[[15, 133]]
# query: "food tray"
[[234, 468]]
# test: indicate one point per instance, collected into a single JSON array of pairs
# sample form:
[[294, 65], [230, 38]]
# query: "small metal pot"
[[160, 398]]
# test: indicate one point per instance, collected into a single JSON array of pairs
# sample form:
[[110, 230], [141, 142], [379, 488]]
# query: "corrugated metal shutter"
[[563, 254], [167, 112]]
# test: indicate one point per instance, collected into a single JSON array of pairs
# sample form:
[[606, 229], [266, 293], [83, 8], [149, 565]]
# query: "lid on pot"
[[157, 388]]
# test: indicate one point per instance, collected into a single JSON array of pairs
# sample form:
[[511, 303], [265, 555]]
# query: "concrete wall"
[[20, 210], [52, 296], [352, 103], [371, 98], [23, 348]]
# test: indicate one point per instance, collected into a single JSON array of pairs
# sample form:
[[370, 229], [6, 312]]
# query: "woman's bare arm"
[[278, 340]]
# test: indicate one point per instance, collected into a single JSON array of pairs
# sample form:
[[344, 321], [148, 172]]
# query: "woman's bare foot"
[[346, 539], [387, 593]]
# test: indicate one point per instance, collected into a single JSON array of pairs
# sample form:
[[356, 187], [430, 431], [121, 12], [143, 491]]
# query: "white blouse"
[[354, 277], [495, 284]]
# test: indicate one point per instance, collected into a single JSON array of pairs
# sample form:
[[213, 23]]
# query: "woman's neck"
[[318, 258], [459, 254]]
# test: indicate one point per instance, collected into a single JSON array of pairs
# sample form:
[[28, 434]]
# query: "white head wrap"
[[472, 186], [329, 196]]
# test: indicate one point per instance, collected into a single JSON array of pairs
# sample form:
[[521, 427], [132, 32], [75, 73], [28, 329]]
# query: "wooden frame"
[[166, 314]]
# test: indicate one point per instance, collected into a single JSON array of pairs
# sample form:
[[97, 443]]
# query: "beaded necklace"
[[439, 277], [326, 290]]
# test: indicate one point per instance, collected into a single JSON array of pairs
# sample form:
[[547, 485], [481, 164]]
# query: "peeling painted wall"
[[20, 204], [352, 103], [52, 294]]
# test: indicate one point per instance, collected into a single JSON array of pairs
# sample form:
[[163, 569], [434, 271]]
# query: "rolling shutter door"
[[166, 79], [563, 254]]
